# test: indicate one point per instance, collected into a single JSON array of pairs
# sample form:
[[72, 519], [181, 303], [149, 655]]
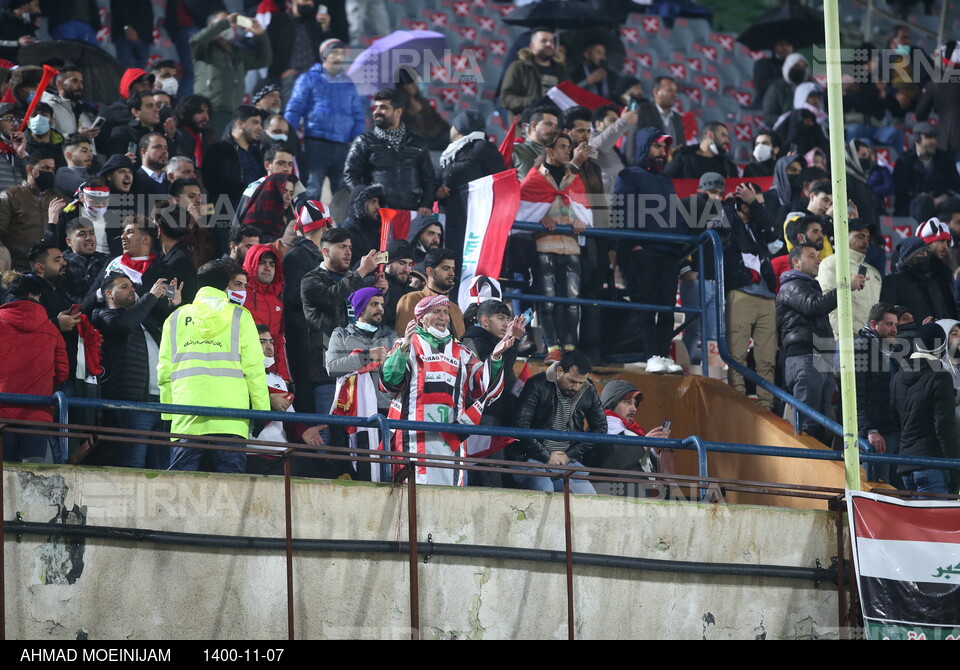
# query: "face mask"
[[268, 361], [903, 49], [717, 151], [95, 212], [866, 164], [762, 152], [30, 96], [279, 137], [439, 334], [39, 125], [307, 11], [170, 86], [797, 76], [794, 181], [44, 180], [368, 327], [27, 19], [237, 297]]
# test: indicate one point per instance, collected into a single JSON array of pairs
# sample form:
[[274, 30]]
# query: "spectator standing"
[[367, 18], [710, 155], [77, 20], [440, 266], [183, 20], [943, 98], [925, 176], [767, 71], [295, 37], [222, 54], [863, 300], [84, 262], [426, 233], [151, 179], [327, 102], [609, 128], [912, 284], [936, 236], [460, 386], [659, 113], [33, 361], [397, 273], [559, 398], [187, 376], [264, 299], [390, 155], [766, 152], [131, 29], [542, 128], [875, 418], [778, 98], [146, 119], [192, 116], [536, 70], [231, 164], [71, 113], [79, 157], [922, 397], [27, 209], [17, 29], [131, 353]]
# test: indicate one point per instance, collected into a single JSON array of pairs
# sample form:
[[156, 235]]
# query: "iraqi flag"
[[537, 194], [567, 94], [492, 203], [506, 147], [907, 557]]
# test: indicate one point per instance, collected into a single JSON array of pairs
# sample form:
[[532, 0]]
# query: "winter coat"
[[911, 178], [751, 239], [521, 82], [482, 343], [82, 272], [537, 407], [33, 357], [125, 359], [330, 107], [803, 314], [23, 220], [194, 371], [265, 303], [923, 405], [915, 289], [407, 173], [340, 359], [688, 164], [873, 384], [324, 297], [223, 170], [219, 72]]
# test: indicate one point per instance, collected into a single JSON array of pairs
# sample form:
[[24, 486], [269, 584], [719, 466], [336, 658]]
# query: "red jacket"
[[266, 303], [32, 359]]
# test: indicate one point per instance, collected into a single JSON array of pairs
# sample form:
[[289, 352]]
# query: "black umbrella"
[[557, 14], [101, 71], [799, 25]]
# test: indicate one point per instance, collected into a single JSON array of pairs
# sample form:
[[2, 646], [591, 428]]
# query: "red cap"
[[129, 77], [933, 230]]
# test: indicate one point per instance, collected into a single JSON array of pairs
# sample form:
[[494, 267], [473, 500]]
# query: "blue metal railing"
[[692, 443], [697, 241]]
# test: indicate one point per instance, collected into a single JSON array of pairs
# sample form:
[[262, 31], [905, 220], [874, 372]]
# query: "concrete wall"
[[59, 590]]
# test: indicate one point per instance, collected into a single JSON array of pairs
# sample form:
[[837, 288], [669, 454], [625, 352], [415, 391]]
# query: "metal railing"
[[695, 244]]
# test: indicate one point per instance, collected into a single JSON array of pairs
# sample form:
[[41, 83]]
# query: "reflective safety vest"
[[210, 354]]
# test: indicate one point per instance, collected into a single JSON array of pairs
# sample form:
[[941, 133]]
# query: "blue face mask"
[[903, 49], [279, 137], [39, 125]]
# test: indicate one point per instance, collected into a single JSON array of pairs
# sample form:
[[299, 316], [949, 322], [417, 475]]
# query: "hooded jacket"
[[643, 179], [364, 231], [416, 227], [779, 97], [33, 357], [210, 355], [265, 302], [521, 82], [914, 287]]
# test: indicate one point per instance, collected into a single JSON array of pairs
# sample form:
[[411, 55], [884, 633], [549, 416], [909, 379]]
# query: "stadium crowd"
[[297, 246]]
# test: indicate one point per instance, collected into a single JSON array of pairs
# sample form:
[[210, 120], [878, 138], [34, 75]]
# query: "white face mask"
[[238, 297], [436, 332], [170, 86], [95, 212], [762, 152], [268, 361], [715, 150], [279, 137], [369, 327]]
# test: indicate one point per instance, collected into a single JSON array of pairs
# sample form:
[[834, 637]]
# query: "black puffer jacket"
[[802, 309], [325, 308], [538, 404], [915, 287], [922, 399], [407, 174], [126, 375]]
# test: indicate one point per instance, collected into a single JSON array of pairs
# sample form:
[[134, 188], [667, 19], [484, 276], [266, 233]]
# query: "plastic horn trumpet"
[[48, 74]]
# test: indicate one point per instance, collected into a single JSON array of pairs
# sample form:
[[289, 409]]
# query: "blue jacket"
[[330, 106], [649, 214]]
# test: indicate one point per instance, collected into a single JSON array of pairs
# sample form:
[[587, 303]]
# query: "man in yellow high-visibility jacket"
[[210, 355]]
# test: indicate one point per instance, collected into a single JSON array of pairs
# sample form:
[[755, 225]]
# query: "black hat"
[[399, 249], [115, 162]]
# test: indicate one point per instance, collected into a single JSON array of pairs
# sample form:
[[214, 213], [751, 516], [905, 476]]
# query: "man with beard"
[[426, 233], [542, 128], [533, 73], [333, 116], [392, 156], [800, 230], [27, 209], [364, 224], [70, 113], [861, 301], [440, 266], [130, 356], [46, 262], [267, 98], [397, 272], [435, 378], [231, 164], [84, 262], [937, 237], [912, 284], [651, 269], [658, 113], [353, 358], [192, 116], [324, 293], [925, 176], [692, 162], [151, 179]]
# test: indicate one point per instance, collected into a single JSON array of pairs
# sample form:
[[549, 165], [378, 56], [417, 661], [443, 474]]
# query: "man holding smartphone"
[[863, 300]]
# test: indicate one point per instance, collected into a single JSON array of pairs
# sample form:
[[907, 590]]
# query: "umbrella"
[[557, 14], [799, 25], [101, 71], [377, 67]]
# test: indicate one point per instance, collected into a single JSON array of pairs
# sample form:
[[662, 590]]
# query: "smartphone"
[[322, 9], [97, 122], [528, 315], [171, 292], [633, 106], [666, 425], [862, 270], [75, 309], [383, 258], [245, 22], [207, 209], [132, 148]]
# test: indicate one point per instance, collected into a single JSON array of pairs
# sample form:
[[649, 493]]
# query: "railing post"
[[63, 412], [697, 441], [568, 536], [288, 514], [414, 565], [704, 357]]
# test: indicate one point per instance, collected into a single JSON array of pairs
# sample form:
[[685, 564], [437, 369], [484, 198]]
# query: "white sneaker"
[[657, 365], [671, 366]]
